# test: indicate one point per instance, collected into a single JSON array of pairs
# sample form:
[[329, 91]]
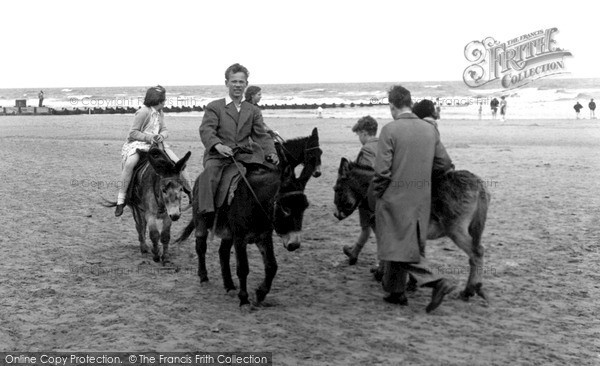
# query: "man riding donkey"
[[231, 129]]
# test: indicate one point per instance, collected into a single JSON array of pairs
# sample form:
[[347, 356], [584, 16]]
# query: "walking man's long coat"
[[408, 150]]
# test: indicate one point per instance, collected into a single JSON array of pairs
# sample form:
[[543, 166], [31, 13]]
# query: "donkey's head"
[[349, 190], [169, 188], [290, 204]]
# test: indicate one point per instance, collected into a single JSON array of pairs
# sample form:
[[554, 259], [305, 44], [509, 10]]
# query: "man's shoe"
[[396, 298], [441, 289], [352, 259], [119, 209]]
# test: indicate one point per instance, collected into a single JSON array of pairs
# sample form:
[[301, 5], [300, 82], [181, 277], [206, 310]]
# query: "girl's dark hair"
[[155, 96], [250, 92], [425, 108]]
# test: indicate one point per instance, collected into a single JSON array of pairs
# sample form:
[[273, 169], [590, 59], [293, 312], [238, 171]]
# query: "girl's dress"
[[152, 127]]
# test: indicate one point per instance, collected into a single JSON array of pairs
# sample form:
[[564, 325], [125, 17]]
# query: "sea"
[[548, 98]]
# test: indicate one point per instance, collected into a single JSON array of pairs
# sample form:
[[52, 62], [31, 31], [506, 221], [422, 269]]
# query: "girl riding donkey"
[[148, 127]]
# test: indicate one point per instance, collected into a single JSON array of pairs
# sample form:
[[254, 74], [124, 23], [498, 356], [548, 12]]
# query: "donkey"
[[272, 200], [459, 205], [155, 199]]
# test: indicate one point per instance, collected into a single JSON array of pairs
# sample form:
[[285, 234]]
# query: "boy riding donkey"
[[231, 127]]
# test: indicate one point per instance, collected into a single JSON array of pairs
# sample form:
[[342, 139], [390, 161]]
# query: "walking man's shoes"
[[396, 298], [119, 209], [441, 289]]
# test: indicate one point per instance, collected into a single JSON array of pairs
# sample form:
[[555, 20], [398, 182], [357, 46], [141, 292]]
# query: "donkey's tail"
[[187, 231]]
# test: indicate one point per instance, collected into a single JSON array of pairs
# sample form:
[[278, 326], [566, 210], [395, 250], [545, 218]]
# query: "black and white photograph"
[[299, 183]]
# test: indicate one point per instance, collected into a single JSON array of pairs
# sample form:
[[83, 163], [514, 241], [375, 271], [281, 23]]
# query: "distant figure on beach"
[[480, 109], [41, 98], [494, 106], [319, 112], [503, 108], [592, 106], [366, 129], [253, 95], [577, 107], [148, 127], [438, 108]]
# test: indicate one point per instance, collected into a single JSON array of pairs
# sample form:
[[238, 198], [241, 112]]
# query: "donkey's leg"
[[165, 238], [201, 236], [154, 237], [265, 245], [224, 256], [242, 268], [140, 225], [461, 237]]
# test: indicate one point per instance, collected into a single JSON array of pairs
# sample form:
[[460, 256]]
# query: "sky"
[[139, 43]]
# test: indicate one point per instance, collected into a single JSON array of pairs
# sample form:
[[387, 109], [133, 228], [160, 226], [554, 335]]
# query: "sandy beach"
[[73, 278]]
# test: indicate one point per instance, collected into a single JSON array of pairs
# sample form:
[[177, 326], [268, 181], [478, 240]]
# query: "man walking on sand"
[[592, 106], [408, 153], [577, 107]]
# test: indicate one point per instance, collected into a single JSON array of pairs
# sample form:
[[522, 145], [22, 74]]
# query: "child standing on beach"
[[148, 127]]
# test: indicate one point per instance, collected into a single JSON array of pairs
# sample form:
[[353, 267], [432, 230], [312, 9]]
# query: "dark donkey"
[[275, 201], [155, 199], [459, 204]]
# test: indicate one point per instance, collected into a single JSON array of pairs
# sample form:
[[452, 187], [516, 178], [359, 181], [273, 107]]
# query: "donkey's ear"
[[180, 165], [315, 133], [344, 167]]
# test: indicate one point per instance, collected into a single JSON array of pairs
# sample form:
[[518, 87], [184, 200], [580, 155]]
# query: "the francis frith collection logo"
[[516, 62]]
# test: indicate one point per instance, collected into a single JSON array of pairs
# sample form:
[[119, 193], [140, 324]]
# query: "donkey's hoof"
[[291, 247], [466, 294], [203, 278], [480, 292], [144, 248], [260, 295], [352, 259]]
